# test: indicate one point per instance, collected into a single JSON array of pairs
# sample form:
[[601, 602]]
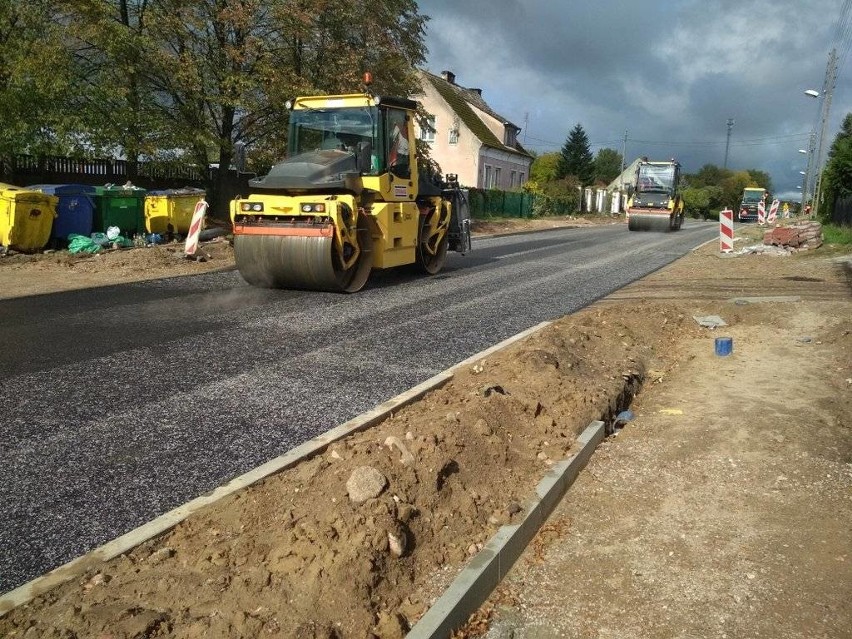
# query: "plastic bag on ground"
[[82, 244]]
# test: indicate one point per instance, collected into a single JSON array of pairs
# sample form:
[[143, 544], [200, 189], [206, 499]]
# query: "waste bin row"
[[33, 217]]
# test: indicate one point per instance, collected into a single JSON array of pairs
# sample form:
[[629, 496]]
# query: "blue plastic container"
[[724, 346], [75, 209]]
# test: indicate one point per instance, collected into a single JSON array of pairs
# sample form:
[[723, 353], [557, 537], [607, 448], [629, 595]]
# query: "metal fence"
[[493, 203], [52, 169]]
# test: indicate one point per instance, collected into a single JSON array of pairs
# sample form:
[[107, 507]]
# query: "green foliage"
[[724, 187], [704, 202], [760, 178], [544, 168], [34, 80], [708, 175], [190, 78], [576, 157], [607, 165], [696, 201], [557, 197], [837, 177], [833, 234], [549, 206]]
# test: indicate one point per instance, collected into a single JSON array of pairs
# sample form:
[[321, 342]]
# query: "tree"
[[34, 81], [576, 158], [545, 167], [607, 165], [760, 178], [837, 178], [723, 187], [192, 79], [709, 175], [112, 45], [704, 202]]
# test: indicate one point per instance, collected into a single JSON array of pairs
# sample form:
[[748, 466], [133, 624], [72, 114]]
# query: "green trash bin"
[[119, 206]]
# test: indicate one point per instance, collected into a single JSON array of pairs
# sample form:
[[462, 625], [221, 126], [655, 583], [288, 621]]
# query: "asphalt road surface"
[[121, 403]]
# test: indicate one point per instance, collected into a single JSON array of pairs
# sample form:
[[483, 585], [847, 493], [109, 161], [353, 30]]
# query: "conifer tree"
[[577, 159]]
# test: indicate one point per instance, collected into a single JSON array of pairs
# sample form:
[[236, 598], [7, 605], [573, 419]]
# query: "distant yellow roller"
[[655, 203]]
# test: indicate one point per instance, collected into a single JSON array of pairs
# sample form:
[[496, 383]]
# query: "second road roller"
[[655, 203], [347, 199]]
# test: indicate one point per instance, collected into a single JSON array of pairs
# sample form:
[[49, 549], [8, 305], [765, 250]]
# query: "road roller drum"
[[300, 260]]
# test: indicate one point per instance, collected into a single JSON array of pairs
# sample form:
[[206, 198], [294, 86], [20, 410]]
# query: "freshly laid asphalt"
[[120, 403]]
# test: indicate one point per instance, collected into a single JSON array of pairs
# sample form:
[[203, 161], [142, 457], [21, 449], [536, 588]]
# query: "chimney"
[[449, 76], [476, 90]]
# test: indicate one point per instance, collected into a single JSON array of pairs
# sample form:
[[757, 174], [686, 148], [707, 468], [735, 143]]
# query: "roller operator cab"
[[347, 199], [655, 203]]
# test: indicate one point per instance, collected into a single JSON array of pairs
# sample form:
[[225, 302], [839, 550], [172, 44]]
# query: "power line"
[[774, 139]]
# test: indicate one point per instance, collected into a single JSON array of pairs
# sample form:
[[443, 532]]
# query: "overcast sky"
[[669, 72]]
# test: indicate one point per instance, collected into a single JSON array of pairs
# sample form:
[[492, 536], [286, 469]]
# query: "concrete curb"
[[479, 578], [76, 567]]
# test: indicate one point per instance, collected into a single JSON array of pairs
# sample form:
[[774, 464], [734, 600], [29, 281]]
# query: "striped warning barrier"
[[761, 213], [195, 227], [726, 231], [773, 212]]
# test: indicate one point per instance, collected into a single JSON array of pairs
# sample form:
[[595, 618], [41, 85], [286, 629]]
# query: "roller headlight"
[[256, 207]]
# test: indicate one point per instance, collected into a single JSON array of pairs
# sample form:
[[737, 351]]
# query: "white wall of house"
[[457, 154], [457, 150]]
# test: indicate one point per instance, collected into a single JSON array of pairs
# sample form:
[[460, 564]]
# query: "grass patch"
[[833, 234]]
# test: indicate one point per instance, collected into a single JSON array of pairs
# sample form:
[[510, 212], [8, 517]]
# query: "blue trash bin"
[[74, 212]]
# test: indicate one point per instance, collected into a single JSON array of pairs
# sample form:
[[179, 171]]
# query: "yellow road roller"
[[347, 199], [654, 203]]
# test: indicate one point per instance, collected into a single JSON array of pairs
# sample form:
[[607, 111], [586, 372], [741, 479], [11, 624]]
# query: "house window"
[[521, 181], [510, 137], [497, 177], [427, 132], [454, 137], [513, 176], [487, 183]]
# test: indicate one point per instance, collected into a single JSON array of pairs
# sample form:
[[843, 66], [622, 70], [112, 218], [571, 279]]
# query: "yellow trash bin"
[[171, 208], [26, 218]]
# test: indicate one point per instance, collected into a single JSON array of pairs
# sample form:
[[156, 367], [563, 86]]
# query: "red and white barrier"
[[773, 212], [726, 231], [195, 228], [761, 213]]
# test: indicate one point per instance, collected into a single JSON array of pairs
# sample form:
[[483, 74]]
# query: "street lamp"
[[812, 92]]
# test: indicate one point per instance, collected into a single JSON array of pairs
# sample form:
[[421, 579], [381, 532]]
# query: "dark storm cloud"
[[669, 71]]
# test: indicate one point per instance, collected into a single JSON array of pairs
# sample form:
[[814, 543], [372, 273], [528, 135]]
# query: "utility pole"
[[806, 187], [526, 124], [827, 91], [624, 151], [728, 143]]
